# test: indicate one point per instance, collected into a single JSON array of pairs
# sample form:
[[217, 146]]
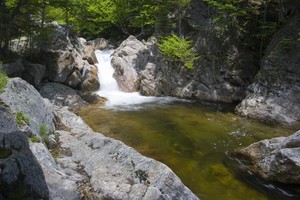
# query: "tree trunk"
[[262, 31], [179, 23], [43, 13]]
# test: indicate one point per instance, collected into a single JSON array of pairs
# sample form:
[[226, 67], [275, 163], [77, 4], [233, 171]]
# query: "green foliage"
[[34, 139], [175, 48], [3, 78], [286, 43], [22, 118], [231, 14], [44, 133]]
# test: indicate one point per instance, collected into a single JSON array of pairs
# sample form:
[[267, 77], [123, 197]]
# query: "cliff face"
[[274, 96], [228, 69]]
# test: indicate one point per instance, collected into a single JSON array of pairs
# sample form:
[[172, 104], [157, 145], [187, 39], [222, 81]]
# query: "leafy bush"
[[175, 48], [22, 118], [3, 78]]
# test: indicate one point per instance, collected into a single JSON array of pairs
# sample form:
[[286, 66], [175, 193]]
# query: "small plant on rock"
[[34, 139], [44, 134], [3, 78], [22, 118]]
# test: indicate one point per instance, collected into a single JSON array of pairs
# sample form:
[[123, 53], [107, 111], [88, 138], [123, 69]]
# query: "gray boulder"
[[14, 69], [275, 94], [60, 184], [90, 79], [21, 176], [128, 59], [69, 60], [34, 73], [23, 97], [62, 95], [276, 159]]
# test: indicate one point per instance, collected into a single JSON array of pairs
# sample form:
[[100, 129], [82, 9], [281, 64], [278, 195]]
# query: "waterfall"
[[110, 90]]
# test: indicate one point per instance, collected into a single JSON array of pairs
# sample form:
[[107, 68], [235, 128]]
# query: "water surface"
[[193, 139]]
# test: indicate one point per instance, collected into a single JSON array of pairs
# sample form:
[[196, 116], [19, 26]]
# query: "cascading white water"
[[110, 90]]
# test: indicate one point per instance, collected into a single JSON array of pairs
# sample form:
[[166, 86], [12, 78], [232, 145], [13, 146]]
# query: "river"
[[193, 138]]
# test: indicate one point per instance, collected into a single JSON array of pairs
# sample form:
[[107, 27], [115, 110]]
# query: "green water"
[[194, 140]]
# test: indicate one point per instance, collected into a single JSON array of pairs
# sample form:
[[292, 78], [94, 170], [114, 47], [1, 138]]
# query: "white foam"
[[110, 90]]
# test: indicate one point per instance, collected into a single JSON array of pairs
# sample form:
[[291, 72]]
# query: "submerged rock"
[[276, 159]]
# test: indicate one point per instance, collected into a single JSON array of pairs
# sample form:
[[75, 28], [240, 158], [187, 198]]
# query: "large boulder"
[[276, 159], [111, 169], [28, 170], [23, 97], [14, 69], [128, 59], [69, 60], [21, 176], [34, 73], [275, 94], [62, 95]]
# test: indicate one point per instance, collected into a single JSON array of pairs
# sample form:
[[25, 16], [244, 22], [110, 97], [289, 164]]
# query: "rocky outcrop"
[[128, 59], [276, 159], [62, 95], [33, 173], [275, 94], [24, 98], [21, 176], [223, 78], [71, 60]]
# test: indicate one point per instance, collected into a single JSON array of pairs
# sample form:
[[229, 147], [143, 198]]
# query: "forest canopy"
[[117, 19]]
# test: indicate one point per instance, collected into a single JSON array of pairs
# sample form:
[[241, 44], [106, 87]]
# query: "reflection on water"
[[193, 139]]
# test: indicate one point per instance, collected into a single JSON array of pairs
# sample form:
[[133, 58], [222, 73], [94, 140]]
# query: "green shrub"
[[34, 138], [44, 134], [175, 48], [3, 78], [21, 117]]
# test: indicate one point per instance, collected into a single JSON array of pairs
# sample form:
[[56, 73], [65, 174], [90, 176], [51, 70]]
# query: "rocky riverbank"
[[86, 165]]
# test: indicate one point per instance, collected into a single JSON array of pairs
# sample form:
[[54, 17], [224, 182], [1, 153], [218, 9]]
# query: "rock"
[[91, 97], [149, 86], [278, 79], [21, 176], [74, 79], [34, 73], [112, 169], [62, 95], [91, 47], [22, 97], [127, 60], [276, 159], [90, 77], [7, 120], [68, 59], [61, 186], [14, 69], [220, 78]]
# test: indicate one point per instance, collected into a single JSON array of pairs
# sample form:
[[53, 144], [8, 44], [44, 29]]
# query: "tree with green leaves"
[[175, 48]]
